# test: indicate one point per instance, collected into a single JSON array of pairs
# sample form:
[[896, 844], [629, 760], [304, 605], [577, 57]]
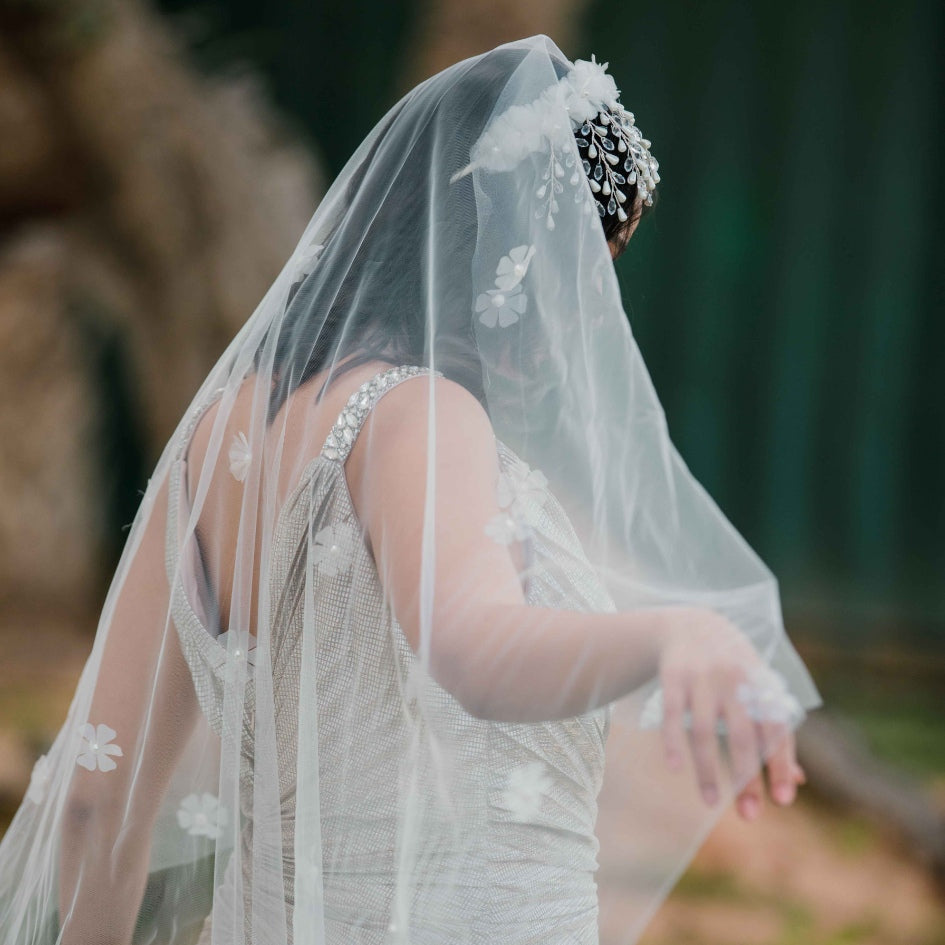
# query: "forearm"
[[103, 874], [519, 663]]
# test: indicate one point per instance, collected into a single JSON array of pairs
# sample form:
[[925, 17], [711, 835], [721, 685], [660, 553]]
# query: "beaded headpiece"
[[615, 154]]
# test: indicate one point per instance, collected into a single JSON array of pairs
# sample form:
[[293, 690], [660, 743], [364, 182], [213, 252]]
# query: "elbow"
[[476, 692], [454, 673]]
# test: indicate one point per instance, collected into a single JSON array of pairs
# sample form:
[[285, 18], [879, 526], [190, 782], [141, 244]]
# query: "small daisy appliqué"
[[501, 308], [512, 268], [97, 748], [522, 490], [525, 789], [504, 304], [767, 698], [240, 456], [201, 815]]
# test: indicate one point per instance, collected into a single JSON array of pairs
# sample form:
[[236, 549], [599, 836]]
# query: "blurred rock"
[[49, 513], [139, 202]]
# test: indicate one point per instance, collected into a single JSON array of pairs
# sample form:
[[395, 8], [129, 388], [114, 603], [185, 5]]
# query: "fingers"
[[744, 751], [750, 798], [705, 748], [784, 772]]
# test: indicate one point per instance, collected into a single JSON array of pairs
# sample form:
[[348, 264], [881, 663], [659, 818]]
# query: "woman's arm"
[[500, 657], [144, 691], [503, 659]]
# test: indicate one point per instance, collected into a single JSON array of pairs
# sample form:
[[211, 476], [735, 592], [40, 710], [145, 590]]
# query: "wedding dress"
[[524, 870], [262, 748]]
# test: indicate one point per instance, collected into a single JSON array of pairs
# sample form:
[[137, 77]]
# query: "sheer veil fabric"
[[380, 626]]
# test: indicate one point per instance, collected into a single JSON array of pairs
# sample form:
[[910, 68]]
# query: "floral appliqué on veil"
[[201, 815], [504, 304], [98, 748]]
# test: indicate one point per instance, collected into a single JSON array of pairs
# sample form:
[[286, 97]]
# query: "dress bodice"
[[524, 795]]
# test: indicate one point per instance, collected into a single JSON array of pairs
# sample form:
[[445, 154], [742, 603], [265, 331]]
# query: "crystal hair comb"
[[616, 155]]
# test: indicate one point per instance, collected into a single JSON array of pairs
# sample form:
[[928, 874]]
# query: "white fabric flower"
[[39, 780], [240, 456], [505, 528], [522, 489], [512, 268], [526, 787], [766, 697], [512, 136], [587, 88], [201, 815], [501, 307], [97, 748], [554, 120], [334, 549]]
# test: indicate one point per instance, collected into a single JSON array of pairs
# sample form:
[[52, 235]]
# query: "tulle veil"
[[213, 777]]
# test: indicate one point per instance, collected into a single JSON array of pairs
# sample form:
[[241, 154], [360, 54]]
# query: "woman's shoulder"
[[406, 409], [427, 419]]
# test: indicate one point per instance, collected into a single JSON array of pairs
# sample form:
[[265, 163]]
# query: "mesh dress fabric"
[[384, 659], [543, 865]]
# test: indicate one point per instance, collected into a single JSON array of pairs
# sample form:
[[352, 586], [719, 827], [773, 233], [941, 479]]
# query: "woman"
[[419, 552]]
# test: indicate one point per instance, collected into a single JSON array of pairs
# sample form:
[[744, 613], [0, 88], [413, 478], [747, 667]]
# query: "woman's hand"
[[704, 661]]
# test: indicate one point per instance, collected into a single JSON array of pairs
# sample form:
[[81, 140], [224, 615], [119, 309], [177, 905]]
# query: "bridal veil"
[[213, 774]]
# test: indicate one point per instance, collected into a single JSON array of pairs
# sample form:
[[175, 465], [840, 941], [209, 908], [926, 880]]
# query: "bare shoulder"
[[407, 410], [406, 424]]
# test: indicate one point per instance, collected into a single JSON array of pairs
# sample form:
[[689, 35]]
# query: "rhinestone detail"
[[342, 435]]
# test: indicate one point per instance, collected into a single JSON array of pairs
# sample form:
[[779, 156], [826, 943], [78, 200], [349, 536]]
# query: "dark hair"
[[371, 234]]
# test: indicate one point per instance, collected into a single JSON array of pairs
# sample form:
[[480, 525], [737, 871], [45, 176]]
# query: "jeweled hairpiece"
[[615, 154]]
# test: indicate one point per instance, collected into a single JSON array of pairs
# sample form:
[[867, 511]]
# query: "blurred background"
[[158, 162]]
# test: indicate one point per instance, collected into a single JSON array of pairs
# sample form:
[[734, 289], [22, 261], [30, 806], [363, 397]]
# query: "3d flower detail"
[[526, 787], [587, 88], [201, 815], [333, 551], [522, 490], [240, 456], [502, 308], [39, 779], [766, 697], [581, 98], [506, 528], [97, 748], [512, 268]]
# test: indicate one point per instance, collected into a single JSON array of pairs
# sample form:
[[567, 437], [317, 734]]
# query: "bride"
[[419, 562]]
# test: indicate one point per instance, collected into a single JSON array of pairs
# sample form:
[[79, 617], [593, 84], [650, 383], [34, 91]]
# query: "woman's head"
[[409, 236]]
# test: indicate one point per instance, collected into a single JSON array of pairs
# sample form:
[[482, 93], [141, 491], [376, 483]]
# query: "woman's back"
[[518, 858]]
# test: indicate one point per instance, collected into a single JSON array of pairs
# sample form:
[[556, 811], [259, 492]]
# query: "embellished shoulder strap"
[[341, 438]]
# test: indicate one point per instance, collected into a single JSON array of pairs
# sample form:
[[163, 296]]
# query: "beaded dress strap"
[[341, 438]]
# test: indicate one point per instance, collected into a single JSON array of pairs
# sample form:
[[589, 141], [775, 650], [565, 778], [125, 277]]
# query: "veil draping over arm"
[[396, 594]]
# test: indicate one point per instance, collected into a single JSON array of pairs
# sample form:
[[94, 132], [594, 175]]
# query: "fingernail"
[[750, 807], [784, 793]]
